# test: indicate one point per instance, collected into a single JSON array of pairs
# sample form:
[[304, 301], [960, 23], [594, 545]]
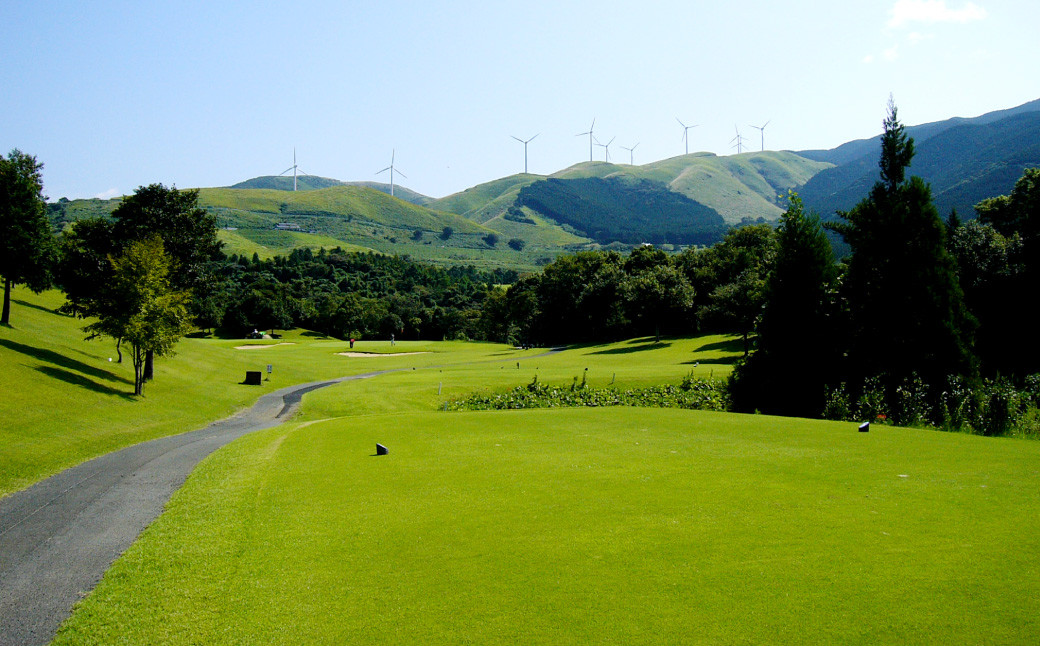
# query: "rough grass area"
[[585, 526]]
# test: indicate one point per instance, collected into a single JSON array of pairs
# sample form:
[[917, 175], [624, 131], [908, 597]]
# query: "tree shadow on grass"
[[50, 356], [724, 361], [733, 345], [34, 306], [316, 335], [629, 349], [81, 381]]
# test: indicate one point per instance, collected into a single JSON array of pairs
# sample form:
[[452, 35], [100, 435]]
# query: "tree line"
[[922, 322], [920, 308], [155, 271]]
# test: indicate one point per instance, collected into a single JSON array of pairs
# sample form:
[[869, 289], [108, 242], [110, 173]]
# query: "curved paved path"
[[59, 536]]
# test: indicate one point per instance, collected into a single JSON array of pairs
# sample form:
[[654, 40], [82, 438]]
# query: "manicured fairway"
[[585, 526], [62, 401]]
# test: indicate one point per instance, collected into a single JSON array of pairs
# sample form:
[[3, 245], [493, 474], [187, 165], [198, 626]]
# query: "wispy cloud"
[[109, 194], [906, 12]]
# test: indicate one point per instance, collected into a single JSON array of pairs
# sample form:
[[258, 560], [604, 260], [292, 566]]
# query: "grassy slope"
[[737, 185], [267, 243], [582, 526], [363, 203], [475, 202]]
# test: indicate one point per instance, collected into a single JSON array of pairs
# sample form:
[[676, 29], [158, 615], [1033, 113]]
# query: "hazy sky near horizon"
[[113, 95]]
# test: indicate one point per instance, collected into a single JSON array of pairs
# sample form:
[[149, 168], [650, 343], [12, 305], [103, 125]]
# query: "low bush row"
[[691, 393], [991, 407]]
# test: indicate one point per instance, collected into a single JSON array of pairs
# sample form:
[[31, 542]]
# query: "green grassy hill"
[[737, 186], [314, 182], [621, 208], [486, 201]]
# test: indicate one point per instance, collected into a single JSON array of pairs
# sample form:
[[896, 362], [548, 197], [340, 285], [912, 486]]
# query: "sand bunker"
[[261, 347], [366, 355]]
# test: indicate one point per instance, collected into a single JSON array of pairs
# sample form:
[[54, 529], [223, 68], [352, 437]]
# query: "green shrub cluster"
[[692, 393], [990, 407]]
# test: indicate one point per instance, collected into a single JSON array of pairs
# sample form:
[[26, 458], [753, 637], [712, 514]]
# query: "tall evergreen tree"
[[906, 308], [26, 242], [795, 354]]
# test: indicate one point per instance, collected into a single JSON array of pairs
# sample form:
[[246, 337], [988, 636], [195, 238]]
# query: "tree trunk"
[[149, 366], [138, 357], [119, 351], [5, 318]]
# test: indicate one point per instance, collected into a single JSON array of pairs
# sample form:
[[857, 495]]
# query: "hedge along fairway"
[[586, 526]]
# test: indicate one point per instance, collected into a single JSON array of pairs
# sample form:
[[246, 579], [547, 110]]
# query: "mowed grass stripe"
[[580, 526]]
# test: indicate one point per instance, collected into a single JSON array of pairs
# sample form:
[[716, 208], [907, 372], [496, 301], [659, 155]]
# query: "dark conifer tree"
[[906, 308], [795, 350]]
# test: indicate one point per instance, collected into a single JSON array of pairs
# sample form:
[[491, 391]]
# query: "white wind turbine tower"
[[685, 133], [525, 148], [606, 148], [589, 133], [293, 169], [630, 156], [739, 139], [391, 169], [762, 130]]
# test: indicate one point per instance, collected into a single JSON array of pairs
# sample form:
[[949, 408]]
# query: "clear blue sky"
[[112, 95]]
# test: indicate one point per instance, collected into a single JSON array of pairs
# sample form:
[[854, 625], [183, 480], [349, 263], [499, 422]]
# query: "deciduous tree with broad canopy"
[[26, 243], [146, 311]]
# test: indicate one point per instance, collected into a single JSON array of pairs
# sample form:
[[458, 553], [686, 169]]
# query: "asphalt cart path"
[[59, 536]]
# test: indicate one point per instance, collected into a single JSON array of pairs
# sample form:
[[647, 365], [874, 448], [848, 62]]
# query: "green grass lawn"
[[562, 526], [584, 526], [64, 402]]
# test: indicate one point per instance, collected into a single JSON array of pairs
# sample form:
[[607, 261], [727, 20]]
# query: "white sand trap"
[[366, 355], [262, 347]]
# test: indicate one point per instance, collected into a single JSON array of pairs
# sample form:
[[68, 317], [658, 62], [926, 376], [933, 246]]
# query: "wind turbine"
[[525, 148], [685, 132], [762, 130], [606, 148], [630, 156], [589, 133], [293, 169], [739, 139], [391, 169]]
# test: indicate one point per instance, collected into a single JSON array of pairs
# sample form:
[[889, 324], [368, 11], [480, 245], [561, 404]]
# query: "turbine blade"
[[401, 174], [382, 171], [518, 139], [286, 170], [533, 138]]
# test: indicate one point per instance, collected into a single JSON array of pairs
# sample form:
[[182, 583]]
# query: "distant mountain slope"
[[859, 148], [965, 162], [736, 187], [749, 185], [486, 201], [624, 209], [314, 182]]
